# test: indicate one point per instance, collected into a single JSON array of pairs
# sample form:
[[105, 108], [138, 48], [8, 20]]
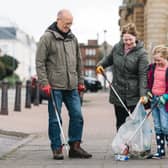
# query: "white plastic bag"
[[141, 142]]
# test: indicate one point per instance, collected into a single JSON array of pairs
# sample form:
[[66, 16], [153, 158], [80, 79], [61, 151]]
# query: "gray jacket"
[[129, 73], [58, 60]]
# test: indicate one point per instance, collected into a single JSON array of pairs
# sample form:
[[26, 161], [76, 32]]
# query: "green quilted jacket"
[[129, 73]]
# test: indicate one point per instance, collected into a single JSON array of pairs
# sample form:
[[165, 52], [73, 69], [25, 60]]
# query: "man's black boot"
[[76, 151], [58, 154]]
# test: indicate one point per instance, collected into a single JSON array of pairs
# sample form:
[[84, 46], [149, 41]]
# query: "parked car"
[[81, 94], [92, 84], [42, 95]]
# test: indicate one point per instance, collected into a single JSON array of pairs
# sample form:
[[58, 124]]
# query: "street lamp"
[[97, 38], [105, 54]]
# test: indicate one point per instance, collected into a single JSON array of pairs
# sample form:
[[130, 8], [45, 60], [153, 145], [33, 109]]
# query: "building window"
[[89, 62], [94, 52], [90, 52], [87, 51], [89, 73]]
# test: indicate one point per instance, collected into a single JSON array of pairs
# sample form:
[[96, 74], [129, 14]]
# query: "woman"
[[129, 62]]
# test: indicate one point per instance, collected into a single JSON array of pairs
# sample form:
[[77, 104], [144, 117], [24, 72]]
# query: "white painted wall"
[[23, 48]]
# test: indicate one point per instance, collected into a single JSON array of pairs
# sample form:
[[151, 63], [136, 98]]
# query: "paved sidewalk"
[[99, 131]]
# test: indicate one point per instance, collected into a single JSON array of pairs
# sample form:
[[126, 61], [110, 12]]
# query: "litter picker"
[[59, 122], [115, 92]]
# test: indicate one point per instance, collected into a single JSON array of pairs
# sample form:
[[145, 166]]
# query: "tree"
[[2, 70], [8, 65]]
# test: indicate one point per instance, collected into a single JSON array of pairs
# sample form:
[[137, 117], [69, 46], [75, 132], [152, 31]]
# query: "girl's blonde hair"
[[162, 49]]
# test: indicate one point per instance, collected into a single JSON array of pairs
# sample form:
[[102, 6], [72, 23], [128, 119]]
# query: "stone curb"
[[13, 133], [26, 138]]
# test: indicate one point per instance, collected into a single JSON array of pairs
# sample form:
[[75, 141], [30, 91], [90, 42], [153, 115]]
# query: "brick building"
[[150, 17], [90, 54]]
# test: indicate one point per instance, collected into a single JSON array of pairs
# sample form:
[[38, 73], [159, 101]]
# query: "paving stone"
[[99, 131]]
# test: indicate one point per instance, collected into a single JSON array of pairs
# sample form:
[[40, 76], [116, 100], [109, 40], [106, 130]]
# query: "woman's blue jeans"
[[71, 100], [160, 118]]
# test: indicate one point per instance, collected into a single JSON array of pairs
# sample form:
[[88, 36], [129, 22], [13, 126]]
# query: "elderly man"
[[59, 69]]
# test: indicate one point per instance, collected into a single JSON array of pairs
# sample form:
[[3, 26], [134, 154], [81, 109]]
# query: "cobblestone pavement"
[[99, 131]]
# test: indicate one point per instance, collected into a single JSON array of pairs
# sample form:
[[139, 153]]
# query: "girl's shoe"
[[160, 148], [156, 156], [166, 137]]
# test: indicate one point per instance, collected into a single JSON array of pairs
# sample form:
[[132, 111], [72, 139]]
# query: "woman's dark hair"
[[129, 28]]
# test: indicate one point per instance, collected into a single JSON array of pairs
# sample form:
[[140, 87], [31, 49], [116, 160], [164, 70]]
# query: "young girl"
[[158, 85]]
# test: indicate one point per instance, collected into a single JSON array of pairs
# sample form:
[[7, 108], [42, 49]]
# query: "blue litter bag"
[[140, 144]]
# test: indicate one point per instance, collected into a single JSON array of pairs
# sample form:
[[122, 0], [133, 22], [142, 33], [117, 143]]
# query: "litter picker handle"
[[128, 111], [59, 122]]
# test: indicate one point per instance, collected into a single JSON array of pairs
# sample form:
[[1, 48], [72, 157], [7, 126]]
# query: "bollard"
[[18, 96], [4, 98], [36, 93], [28, 94]]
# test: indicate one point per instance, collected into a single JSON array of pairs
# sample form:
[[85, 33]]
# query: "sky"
[[93, 19]]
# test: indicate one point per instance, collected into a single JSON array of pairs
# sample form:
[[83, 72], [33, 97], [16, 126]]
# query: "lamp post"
[[13, 62], [97, 38], [105, 54]]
